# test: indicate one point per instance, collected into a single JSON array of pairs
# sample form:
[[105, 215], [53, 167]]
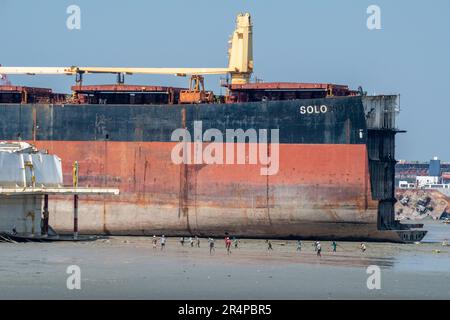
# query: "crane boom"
[[240, 64], [35, 70], [112, 70]]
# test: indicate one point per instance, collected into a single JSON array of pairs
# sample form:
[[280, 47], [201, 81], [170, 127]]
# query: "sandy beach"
[[129, 268]]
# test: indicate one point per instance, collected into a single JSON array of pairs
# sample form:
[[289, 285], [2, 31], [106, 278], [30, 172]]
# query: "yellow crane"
[[240, 64]]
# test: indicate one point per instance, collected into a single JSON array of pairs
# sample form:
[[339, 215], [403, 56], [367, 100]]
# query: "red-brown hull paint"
[[320, 190]]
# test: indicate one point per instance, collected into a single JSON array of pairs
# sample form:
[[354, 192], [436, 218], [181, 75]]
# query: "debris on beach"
[[418, 204]]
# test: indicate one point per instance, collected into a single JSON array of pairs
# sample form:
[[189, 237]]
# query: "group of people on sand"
[[228, 243], [196, 242], [162, 241], [192, 241], [318, 247]]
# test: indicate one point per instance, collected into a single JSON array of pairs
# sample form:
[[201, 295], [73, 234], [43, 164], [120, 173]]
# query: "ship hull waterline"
[[322, 188]]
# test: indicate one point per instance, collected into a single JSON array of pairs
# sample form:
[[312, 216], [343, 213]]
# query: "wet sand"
[[129, 268]]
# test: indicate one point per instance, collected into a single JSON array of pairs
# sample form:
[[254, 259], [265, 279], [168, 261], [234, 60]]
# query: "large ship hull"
[[325, 186]]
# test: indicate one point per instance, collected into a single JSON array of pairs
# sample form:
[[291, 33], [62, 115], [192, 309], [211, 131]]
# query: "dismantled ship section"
[[381, 113]]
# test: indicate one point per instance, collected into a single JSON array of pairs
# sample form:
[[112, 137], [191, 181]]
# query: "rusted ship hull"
[[326, 186]]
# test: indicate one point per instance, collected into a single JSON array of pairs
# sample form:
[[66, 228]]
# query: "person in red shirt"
[[228, 244]]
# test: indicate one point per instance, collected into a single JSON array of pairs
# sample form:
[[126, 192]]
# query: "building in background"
[[423, 175], [434, 169]]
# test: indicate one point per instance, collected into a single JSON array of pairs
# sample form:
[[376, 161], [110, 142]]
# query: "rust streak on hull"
[[318, 188]]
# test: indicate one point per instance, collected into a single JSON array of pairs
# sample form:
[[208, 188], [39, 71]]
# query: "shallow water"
[[423, 263], [426, 258], [437, 231]]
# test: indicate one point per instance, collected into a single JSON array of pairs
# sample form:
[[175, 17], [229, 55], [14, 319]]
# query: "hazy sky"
[[305, 41]]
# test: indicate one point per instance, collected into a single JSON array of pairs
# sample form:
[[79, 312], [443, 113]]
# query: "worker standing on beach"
[[299, 245], [154, 241], [269, 245], [182, 241], [363, 247], [228, 244], [334, 245], [236, 242], [191, 241], [197, 240], [163, 242], [319, 249], [211, 245], [315, 243]]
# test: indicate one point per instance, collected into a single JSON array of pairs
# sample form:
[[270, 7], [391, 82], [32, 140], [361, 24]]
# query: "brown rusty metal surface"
[[21, 89], [315, 184], [22, 94], [263, 91], [122, 88], [187, 96], [285, 86], [196, 92]]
